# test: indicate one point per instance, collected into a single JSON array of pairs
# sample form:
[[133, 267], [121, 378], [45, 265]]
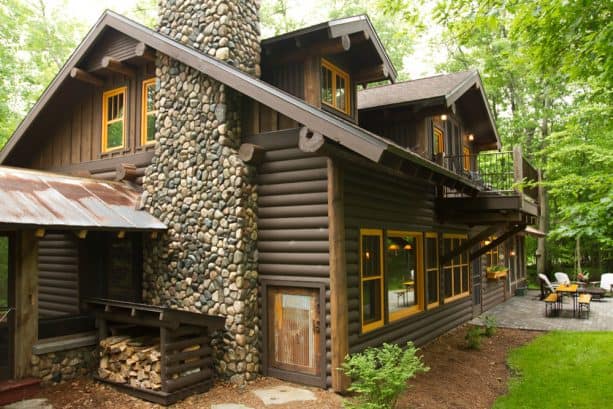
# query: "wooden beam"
[[125, 171], [141, 50], [513, 230], [484, 234], [117, 66], [339, 321], [309, 141], [251, 153], [318, 49], [371, 74], [84, 76]]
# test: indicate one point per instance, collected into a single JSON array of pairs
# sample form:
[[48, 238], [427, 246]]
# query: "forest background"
[[547, 66]]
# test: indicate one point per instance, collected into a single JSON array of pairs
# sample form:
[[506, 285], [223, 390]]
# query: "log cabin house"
[[317, 214]]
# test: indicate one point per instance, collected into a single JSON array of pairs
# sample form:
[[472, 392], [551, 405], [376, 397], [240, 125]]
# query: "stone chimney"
[[198, 186]]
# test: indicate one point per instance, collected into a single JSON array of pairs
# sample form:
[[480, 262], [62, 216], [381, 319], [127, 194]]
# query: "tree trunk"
[[541, 251], [578, 254]]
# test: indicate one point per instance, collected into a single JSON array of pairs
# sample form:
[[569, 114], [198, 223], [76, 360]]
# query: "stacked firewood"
[[131, 360]]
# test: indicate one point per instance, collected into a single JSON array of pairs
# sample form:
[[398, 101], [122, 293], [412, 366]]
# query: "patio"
[[528, 312]]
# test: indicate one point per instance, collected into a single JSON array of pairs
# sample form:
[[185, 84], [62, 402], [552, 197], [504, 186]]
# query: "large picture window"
[[113, 119], [371, 274], [149, 113], [433, 284], [455, 272], [404, 274], [335, 87]]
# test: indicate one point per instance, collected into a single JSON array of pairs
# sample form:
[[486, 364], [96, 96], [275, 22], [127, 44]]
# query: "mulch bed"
[[458, 378]]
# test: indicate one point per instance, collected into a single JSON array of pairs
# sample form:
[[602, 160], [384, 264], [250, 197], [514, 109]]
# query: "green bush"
[[490, 325], [380, 375], [473, 338]]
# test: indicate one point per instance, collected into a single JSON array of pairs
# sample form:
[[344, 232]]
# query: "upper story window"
[[438, 140], [113, 119], [149, 113], [335, 87]]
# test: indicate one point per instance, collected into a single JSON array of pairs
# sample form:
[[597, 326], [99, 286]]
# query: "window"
[[148, 115], [404, 274], [492, 255], [438, 144], [371, 278], [113, 123], [335, 87], [455, 271], [432, 269], [466, 151]]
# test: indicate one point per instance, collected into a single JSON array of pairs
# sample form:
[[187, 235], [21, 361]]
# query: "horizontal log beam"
[[251, 153], [84, 76], [141, 50], [117, 66]]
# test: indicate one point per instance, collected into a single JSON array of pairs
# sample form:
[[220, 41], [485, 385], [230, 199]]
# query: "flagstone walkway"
[[528, 312]]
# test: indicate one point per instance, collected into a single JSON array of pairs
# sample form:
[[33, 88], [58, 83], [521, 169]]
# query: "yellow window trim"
[[145, 113], [432, 305], [466, 151], [379, 323], [334, 70], [406, 312], [105, 96], [450, 267], [439, 135]]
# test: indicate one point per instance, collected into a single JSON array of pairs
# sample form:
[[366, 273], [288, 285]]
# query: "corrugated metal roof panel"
[[50, 200]]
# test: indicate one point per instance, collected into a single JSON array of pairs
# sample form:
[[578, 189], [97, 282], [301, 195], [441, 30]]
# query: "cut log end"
[[309, 141], [250, 153]]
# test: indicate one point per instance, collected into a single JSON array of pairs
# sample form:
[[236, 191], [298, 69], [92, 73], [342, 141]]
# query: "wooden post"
[[338, 276], [518, 170], [312, 84], [26, 301]]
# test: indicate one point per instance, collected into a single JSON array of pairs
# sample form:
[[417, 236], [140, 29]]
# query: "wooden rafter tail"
[[126, 171], [141, 50], [84, 76], [117, 66]]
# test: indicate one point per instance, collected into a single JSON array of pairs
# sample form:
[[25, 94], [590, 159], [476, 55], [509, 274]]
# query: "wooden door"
[[6, 310], [294, 330]]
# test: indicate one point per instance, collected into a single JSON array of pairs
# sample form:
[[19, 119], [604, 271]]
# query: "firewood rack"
[[183, 373]]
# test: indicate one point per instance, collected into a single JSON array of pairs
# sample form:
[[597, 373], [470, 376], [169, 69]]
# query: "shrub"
[[380, 375], [473, 338], [490, 326]]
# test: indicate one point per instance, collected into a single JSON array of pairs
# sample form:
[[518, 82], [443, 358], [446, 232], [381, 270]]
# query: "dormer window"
[[335, 87], [113, 124]]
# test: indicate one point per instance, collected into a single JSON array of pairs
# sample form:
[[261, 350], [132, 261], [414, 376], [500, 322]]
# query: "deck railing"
[[501, 172]]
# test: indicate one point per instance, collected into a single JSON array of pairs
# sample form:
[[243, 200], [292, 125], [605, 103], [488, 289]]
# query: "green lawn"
[[562, 370]]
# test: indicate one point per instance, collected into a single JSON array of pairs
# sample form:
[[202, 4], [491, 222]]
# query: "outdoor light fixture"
[[367, 255], [393, 247], [512, 253], [471, 137], [487, 242], [408, 247], [443, 117]]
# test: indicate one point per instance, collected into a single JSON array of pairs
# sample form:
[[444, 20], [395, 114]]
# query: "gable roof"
[[443, 89], [338, 28], [343, 132], [45, 199]]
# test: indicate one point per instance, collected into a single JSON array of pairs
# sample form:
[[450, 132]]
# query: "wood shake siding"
[[384, 201]]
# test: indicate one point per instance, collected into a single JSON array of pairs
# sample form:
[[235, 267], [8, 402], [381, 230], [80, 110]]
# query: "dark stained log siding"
[[378, 201], [58, 281], [293, 220]]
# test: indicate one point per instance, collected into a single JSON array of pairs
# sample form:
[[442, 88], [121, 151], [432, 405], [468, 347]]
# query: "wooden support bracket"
[[141, 50], [84, 76], [117, 66]]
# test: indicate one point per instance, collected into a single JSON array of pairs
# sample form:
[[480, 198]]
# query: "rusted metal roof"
[[34, 198]]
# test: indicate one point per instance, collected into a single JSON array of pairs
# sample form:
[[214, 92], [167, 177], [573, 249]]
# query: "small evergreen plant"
[[473, 338], [380, 375], [490, 325]]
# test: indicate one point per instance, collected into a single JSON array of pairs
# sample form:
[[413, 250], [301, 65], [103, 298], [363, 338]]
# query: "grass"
[[561, 370]]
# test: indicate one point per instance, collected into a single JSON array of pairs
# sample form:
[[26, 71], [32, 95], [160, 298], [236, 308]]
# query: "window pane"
[[371, 301], [326, 85], [431, 256], [432, 286], [150, 128], [109, 109], [114, 136], [371, 257], [401, 272], [119, 113], [464, 278], [456, 280], [150, 97], [447, 282], [340, 93]]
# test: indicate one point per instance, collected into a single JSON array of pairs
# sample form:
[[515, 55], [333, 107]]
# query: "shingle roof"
[[439, 86]]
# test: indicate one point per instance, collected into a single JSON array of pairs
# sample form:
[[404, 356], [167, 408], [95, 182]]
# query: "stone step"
[[19, 389]]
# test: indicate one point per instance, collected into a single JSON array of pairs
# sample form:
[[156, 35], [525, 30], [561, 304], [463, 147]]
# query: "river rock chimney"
[[199, 187]]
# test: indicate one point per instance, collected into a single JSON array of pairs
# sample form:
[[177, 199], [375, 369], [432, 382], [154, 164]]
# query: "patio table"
[[570, 289]]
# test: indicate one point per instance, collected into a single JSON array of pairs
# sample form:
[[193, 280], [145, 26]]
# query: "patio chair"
[[606, 282], [546, 286], [561, 278]]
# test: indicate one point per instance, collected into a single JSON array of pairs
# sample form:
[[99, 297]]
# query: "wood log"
[[250, 153], [126, 171], [309, 141], [84, 76], [117, 66], [141, 50]]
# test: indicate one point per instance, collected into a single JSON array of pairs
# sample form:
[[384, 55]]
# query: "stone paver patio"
[[528, 312]]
